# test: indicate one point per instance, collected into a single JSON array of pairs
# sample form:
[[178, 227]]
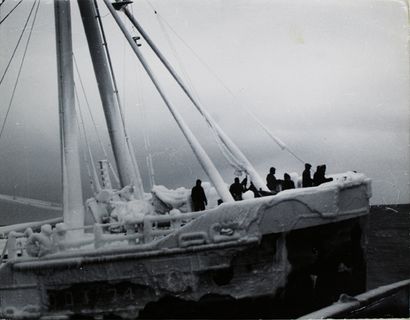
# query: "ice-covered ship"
[[149, 255]]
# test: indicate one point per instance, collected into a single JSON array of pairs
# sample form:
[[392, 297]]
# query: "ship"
[[149, 255]]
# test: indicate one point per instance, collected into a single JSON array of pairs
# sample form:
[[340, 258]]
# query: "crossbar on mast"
[[200, 153]]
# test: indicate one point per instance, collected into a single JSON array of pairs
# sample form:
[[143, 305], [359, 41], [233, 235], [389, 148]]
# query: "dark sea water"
[[388, 249]]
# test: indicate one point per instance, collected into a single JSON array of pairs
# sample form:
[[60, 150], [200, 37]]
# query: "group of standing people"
[[276, 185], [199, 200], [319, 176]]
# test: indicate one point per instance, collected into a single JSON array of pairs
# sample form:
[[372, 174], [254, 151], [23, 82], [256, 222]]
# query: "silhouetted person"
[[307, 181], [244, 182], [287, 183], [198, 197], [271, 181], [236, 189], [324, 174], [320, 175], [316, 176]]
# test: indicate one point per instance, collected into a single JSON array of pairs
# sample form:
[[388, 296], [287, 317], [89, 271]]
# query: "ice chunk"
[[248, 195], [130, 211]]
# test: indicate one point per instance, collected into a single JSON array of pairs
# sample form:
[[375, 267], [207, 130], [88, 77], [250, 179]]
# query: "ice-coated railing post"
[[147, 230], [199, 152], [12, 246], [98, 236], [175, 223], [3, 253], [55, 240], [59, 236], [130, 230]]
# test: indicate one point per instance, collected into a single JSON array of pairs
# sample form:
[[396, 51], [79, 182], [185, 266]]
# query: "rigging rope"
[[230, 152], [93, 121], [179, 61], [105, 44], [89, 108], [147, 144], [20, 68], [17, 45], [6, 16], [93, 177], [267, 131], [114, 83], [229, 156]]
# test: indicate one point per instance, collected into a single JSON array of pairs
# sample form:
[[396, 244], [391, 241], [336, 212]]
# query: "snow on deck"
[[230, 221]]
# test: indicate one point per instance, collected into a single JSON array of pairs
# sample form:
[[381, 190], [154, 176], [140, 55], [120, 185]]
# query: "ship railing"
[[141, 230], [13, 247], [136, 231]]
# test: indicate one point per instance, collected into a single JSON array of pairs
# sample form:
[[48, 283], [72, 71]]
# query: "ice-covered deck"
[[345, 197]]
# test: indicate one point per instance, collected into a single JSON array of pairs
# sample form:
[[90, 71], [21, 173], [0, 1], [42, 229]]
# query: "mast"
[[127, 168], [226, 140], [73, 210], [199, 152]]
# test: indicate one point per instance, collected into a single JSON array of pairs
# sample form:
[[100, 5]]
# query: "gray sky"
[[329, 78]]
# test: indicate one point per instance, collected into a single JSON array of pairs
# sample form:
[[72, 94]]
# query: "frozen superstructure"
[[148, 254], [245, 249]]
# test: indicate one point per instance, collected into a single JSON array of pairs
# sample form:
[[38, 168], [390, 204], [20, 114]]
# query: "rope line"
[[227, 152], [6, 16], [81, 128], [20, 69], [179, 61], [281, 145], [107, 52], [117, 179], [18, 43], [117, 95], [89, 109], [147, 144]]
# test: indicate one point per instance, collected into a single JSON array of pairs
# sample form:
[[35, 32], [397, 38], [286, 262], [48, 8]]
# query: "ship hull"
[[282, 275], [282, 256]]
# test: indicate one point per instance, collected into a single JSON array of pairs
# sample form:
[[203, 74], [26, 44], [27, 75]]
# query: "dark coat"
[[271, 182], [319, 176], [236, 190], [288, 184], [198, 198], [307, 181]]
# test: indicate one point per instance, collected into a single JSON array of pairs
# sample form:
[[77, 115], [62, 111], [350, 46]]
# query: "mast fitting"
[[118, 5]]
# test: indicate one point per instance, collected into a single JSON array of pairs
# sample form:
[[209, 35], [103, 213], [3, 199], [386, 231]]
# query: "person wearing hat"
[[271, 181], [198, 197], [237, 189], [306, 178]]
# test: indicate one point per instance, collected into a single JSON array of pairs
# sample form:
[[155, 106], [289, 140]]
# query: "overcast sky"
[[329, 78]]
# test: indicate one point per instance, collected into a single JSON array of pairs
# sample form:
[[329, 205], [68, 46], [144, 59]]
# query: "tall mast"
[[199, 152], [226, 140], [73, 210], [127, 168]]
